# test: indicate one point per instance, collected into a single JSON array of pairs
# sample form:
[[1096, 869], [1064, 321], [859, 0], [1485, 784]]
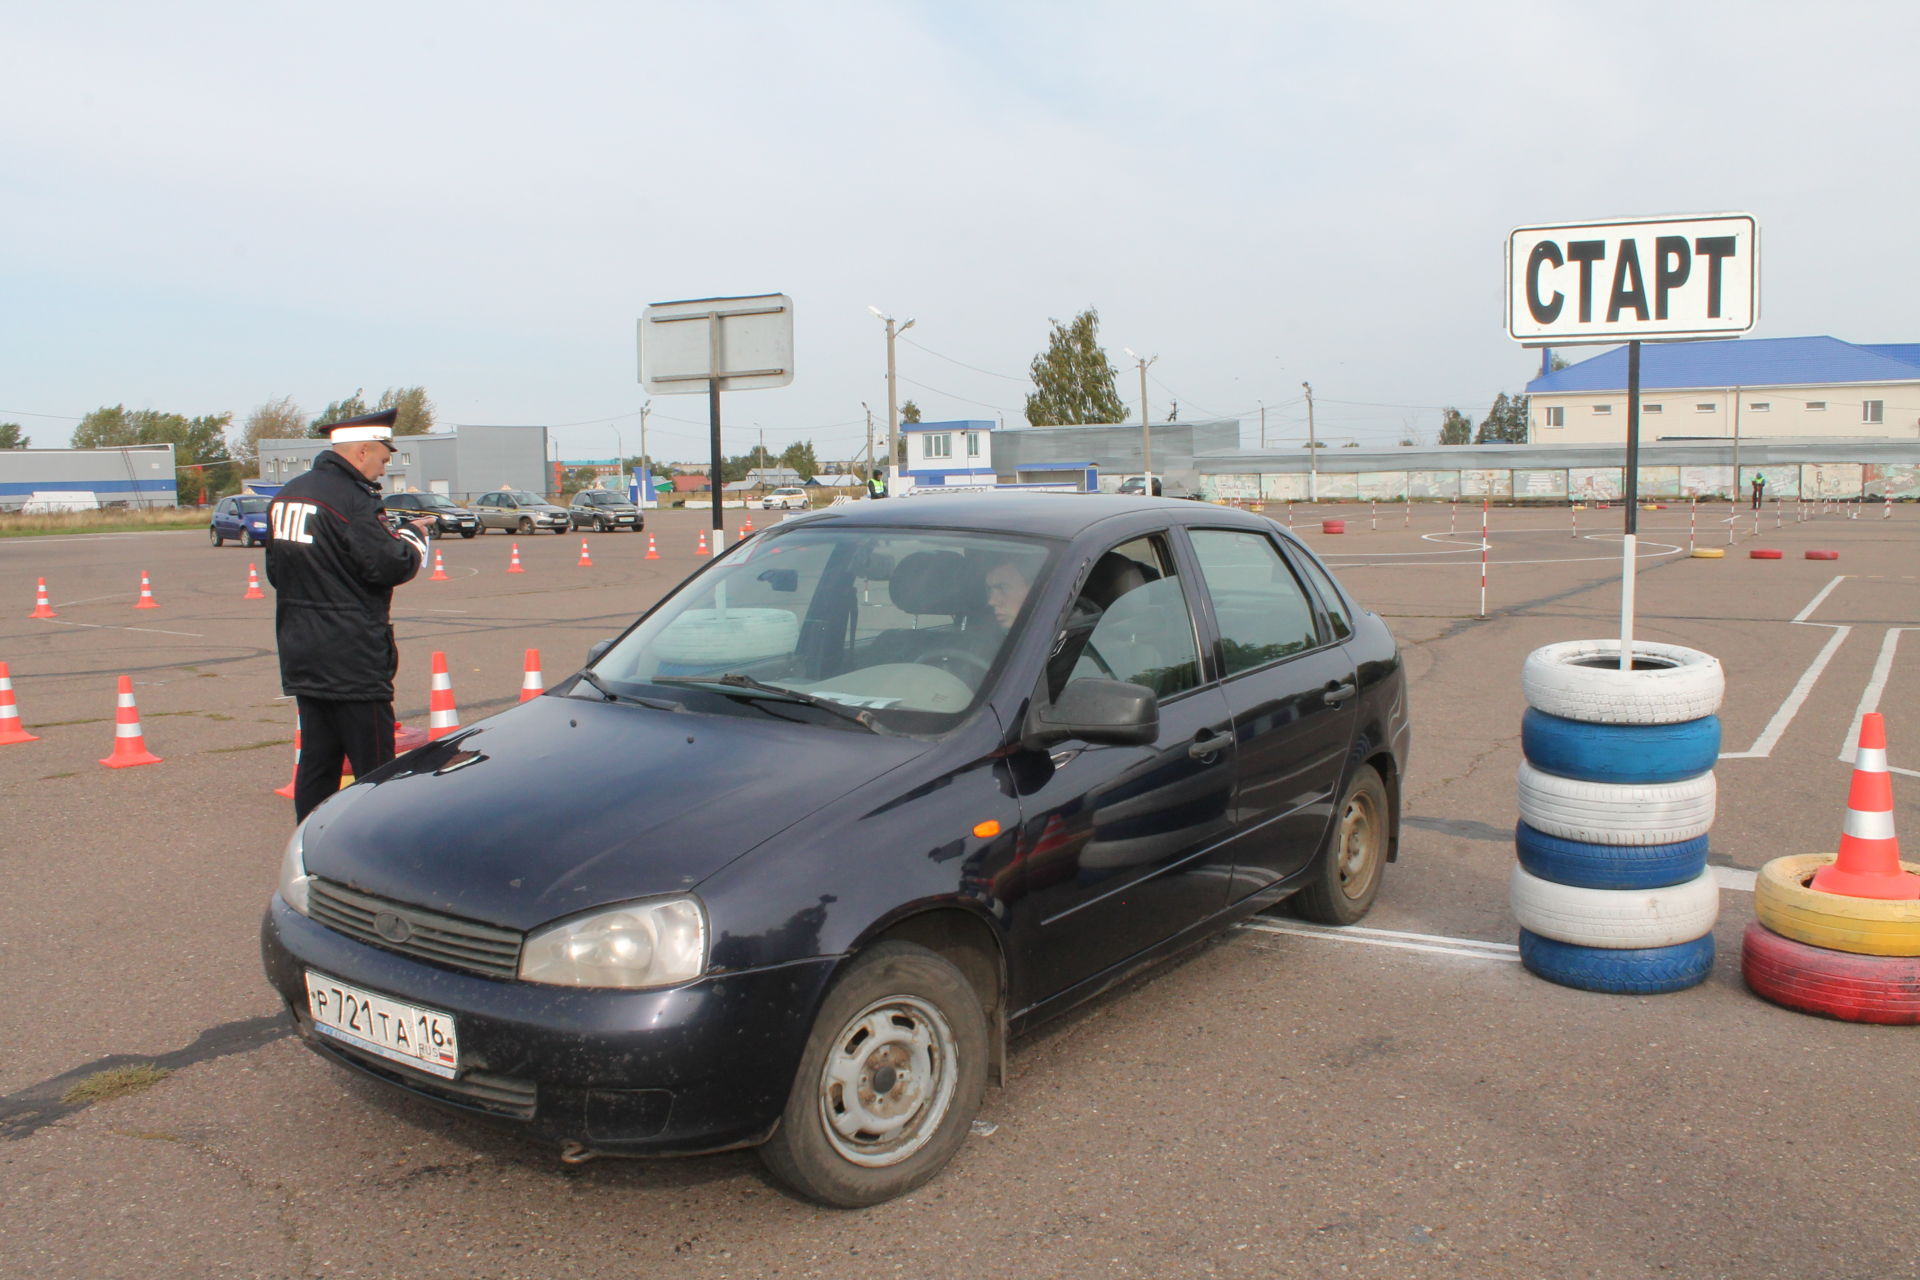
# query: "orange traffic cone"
[[1868, 864], [129, 744], [287, 790], [653, 552], [439, 568], [747, 528], [513, 566], [41, 608], [146, 600], [586, 561], [703, 545], [10, 729], [442, 717], [532, 685], [253, 585]]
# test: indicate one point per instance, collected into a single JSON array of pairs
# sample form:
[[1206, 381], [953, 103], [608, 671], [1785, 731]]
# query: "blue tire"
[[1635, 754], [1642, 972], [1608, 866]]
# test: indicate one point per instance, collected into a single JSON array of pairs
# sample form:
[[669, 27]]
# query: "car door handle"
[[1207, 746], [1337, 694]]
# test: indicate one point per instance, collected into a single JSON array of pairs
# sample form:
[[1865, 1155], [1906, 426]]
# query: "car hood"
[[563, 804]]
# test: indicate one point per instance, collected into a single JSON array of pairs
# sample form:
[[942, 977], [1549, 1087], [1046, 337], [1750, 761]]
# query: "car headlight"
[[294, 880], [654, 943]]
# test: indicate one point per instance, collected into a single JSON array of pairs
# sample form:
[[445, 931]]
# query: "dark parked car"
[[877, 789], [241, 518], [604, 510], [518, 511], [450, 516]]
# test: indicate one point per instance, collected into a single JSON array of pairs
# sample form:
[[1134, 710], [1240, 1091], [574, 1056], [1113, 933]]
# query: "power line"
[[962, 363]]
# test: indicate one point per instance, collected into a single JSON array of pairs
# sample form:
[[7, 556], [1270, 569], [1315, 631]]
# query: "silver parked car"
[[519, 511]]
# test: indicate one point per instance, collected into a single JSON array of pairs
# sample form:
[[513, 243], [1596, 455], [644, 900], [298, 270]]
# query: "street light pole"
[[869, 413], [1313, 451], [646, 462], [1146, 431], [893, 405]]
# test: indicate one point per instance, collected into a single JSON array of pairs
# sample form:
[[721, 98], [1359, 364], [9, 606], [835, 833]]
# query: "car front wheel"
[[526, 524], [1347, 877], [888, 1086], [468, 533], [213, 536]]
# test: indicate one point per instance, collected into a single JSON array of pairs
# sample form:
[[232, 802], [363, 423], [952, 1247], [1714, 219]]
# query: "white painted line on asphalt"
[[1777, 727], [1734, 878], [1870, 698], [1503, 951], [102, 626]]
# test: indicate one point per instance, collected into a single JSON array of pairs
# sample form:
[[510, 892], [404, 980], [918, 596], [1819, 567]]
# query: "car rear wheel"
[[1347, 877], [888, 1086]]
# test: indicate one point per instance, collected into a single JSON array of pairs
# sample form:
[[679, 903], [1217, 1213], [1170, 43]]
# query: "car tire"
[[601, 526], [1785, 903], [468, 533], [1835, 984], [1581, 680], [1616, 813], [1620, 753], [1585, 865], [213, 536], [526, 525], [1615, 919], [1639, 971], [1346, 878], [843, 1140]]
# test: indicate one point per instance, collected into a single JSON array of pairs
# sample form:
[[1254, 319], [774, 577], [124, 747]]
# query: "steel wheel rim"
[[905, 1044], [1358, 854]]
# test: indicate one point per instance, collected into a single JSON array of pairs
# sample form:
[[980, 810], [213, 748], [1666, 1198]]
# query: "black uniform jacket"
[[334, 562]]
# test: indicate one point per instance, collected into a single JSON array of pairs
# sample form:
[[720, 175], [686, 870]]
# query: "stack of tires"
[[1855, 959], [1612, 889]]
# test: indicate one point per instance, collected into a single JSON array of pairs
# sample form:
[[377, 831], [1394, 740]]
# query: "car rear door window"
[[1329, 597], [1263, 612]]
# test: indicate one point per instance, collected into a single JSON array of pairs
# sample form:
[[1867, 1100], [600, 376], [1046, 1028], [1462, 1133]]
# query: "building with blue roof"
[[1747, 387]]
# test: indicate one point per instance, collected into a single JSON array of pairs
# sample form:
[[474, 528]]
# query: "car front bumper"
[[700, 1067]]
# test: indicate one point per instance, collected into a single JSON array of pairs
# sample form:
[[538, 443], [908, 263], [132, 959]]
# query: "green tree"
[[205, 467], [799, 456], [279, 419], [10, 437], [1455, 427], [1073, 379], [909, 412], [1505, 423], [340, 410], [416, 411]]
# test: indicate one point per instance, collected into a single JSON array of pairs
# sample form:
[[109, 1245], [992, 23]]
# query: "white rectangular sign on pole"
[[746, 342], [1648, 278]]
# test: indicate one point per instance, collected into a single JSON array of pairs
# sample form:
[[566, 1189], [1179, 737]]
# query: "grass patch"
[[59, 724], [112, 520], [251, 746], [115, 1082], [71, 773]]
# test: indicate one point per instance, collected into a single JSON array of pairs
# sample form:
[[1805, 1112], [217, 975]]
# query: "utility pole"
[[1736, 445], [1263, 424], [869, 412], [646, 462], [1313, 451], [893, 404], [1146, 432]]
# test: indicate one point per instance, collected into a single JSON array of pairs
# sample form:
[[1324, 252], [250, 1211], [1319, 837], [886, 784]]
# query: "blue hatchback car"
[[241, 518]]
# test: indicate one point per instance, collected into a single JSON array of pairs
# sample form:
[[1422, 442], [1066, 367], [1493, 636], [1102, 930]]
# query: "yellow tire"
[[1709, 553], [1862, 926]]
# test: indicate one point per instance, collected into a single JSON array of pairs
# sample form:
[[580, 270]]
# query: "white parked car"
[[786, 498]]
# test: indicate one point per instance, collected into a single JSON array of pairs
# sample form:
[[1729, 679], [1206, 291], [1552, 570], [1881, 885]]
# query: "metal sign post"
[[702, 343], [1654, 279]]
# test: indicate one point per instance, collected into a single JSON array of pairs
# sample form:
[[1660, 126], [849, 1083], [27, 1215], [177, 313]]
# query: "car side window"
[[1130, 622], [1263, 612], [1329, 597]]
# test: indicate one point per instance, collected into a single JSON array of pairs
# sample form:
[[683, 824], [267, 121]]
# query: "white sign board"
[[1649, 278], [746, 342]]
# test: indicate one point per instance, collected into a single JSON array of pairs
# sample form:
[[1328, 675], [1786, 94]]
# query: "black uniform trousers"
[[332, 734]]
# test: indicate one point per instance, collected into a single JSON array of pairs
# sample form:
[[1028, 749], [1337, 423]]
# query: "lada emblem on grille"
[[393, 928]]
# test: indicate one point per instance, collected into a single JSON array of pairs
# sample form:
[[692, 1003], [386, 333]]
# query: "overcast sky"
[[206, 206]]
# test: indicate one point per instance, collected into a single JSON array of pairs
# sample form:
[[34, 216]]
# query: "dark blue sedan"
[[241, 518], [793, 858]]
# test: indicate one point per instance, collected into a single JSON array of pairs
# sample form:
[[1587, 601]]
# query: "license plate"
[[406, 1033]]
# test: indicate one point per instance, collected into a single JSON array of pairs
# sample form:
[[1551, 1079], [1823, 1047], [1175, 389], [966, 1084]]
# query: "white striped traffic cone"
[[513, 565], [1868, 863], [41, 607], [586, 561], [287, 790], [146, 600], [653, 552], [703, 545], [253, 585], [442, 717], [129, 744], [11, 730], [439, 568], [533, 684]]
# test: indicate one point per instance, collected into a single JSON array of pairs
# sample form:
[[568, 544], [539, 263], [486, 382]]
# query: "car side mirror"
[[1103, 712], [599, 647]]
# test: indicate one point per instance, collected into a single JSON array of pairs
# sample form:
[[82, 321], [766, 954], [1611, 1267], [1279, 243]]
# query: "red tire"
[[1763, 553], [1333, 526], [1823, 555], [1834, 984]]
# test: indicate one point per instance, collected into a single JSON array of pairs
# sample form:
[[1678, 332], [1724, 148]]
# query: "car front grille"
[[414, 931], [480, 1090]]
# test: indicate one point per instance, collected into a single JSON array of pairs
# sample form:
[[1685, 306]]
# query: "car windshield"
[[253, 506], [900, 624]]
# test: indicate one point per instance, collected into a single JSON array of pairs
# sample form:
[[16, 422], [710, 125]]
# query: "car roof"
[[1053, 515]]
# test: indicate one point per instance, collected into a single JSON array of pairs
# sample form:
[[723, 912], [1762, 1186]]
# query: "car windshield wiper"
[[740, 682], [611, 696]]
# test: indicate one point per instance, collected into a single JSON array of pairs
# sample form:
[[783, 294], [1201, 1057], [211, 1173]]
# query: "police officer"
[[334, 561]]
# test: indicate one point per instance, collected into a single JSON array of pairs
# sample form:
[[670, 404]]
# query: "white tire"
[[1616, 919], [1616, 813], [1582, 680]]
